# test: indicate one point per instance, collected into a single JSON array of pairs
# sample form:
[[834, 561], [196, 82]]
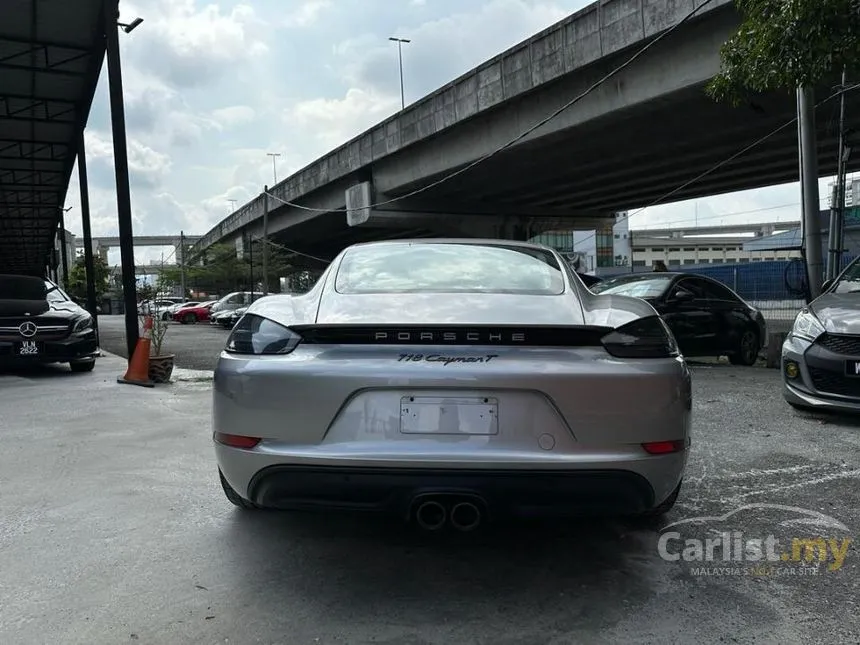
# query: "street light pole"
[[124, 221], [400, 42], [274, 167], [232, 204]]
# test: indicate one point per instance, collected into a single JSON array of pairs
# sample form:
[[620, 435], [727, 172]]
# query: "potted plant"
[[160, 365]]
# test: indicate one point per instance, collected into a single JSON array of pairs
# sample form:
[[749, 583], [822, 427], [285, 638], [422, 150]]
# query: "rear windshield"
[[449, 268]]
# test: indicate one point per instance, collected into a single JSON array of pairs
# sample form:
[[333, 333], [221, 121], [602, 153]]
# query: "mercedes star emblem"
[[28, 329]]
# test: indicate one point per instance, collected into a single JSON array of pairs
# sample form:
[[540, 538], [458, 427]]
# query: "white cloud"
[[234, 115], [307, 13], [335, 121]]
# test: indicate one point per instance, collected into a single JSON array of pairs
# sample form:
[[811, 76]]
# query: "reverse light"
[[260, 336], [236, 441], [807, 326], [643, 338], [663, 447]]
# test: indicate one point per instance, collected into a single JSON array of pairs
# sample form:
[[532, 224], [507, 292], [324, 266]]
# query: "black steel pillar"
[[63, 251], [89, 260], [123, 192]]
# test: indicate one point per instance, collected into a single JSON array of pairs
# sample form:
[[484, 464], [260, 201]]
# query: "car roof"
[[477, 241]]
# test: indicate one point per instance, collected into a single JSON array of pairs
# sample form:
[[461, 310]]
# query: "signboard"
[[358, 204]]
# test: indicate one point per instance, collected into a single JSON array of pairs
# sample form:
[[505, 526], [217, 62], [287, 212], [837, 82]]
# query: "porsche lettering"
[[450, 336]]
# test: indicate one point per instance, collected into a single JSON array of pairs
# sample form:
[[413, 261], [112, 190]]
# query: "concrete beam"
[[686, 59]]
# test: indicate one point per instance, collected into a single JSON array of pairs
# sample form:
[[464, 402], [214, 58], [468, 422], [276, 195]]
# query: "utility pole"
[[841, 177], [265, 239], [181, 260], [251, 261], [809, 181]]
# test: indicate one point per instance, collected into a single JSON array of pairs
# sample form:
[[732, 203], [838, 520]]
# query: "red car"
[[191, 315]]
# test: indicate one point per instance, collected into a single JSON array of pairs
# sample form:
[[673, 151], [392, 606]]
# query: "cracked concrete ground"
[[113, 529]]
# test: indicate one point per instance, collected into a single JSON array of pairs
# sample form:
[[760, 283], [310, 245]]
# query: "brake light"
[[236, 441], [663, 447]]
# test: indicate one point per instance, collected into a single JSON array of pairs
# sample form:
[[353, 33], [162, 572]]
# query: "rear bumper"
[[502, 492]]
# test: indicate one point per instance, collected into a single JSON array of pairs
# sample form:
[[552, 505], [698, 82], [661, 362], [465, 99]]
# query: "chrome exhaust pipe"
[[431, 516], [465, 516]]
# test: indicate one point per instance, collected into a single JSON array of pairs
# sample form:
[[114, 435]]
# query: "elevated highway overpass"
[[102, 245], [647, 135]]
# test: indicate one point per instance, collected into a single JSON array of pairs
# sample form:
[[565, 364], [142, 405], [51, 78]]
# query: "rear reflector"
[[236, 441], [663, 447]]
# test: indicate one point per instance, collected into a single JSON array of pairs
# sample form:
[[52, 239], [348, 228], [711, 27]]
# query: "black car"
[[707, 318], [40, 323]]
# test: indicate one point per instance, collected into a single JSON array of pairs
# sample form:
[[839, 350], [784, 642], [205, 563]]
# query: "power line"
[[520, 136]]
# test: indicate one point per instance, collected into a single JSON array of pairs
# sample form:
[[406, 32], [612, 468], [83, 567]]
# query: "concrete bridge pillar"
[[103, 253]]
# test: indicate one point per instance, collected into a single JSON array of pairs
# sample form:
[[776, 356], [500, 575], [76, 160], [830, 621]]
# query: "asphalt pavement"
[[195, 346], [113, 529]]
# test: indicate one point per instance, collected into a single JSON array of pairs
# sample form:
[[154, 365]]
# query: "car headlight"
[[807, 326], [83, 324], [260, 336], [643, 338]]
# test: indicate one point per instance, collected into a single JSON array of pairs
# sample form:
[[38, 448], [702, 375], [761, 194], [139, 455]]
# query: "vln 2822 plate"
[[28, 348], [449, 415]]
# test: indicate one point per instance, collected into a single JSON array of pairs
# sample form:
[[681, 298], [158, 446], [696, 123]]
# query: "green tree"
[[786, 44], [77, 283]]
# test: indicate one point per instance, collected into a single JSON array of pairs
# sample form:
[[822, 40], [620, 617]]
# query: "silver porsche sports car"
[[452, 381]]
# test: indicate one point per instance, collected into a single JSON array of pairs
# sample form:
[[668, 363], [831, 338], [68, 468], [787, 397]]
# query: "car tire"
[[747, 350], [189, 318], [165, 316], [234, 497], [82, 366]]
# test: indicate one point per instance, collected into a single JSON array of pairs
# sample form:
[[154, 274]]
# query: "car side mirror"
[[826, 285], [682, 295]]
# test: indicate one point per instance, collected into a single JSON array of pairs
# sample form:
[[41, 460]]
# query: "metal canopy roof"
[[51, 54]]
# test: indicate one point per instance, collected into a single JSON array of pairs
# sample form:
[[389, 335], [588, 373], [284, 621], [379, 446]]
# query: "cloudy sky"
[[211, 86]]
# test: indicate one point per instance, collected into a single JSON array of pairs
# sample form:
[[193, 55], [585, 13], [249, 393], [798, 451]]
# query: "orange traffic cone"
[[138, 366]]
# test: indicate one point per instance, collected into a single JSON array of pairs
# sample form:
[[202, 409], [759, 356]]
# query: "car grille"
[[828, 382], [845, 345], [47, 329]]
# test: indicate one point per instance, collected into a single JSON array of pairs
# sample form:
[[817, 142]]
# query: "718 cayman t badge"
[[446, 360]]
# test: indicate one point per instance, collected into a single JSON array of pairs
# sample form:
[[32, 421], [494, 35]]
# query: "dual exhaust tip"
[[433, 515]]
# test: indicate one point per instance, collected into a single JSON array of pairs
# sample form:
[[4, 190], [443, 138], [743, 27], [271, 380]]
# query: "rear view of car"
[[452, 381]]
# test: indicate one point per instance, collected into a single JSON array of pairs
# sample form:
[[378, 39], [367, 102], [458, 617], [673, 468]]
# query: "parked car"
[[451, 381], [195, 314], [40, 323], [168, 313], [706, 317], [821, 354], [227, 319], [235, 300]]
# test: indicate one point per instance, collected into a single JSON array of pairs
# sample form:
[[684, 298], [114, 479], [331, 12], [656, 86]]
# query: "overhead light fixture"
[[128, 28]]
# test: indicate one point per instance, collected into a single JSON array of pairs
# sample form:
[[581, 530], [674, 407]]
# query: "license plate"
[[852, 368], [449, 415], [28, 348]]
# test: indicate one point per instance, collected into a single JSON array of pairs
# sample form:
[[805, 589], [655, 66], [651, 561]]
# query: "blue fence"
[[774, 280]]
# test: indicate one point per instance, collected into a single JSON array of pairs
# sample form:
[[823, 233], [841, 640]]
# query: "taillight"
[[663, 447], [236, 440]]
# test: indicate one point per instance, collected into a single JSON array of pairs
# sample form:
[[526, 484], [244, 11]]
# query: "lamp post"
[[400, 42], [273, 155], [123, 190]]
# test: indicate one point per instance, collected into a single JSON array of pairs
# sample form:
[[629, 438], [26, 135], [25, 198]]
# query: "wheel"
[[165, 316], [189, 318], [747, 349], [234, 497], [82, 366]]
